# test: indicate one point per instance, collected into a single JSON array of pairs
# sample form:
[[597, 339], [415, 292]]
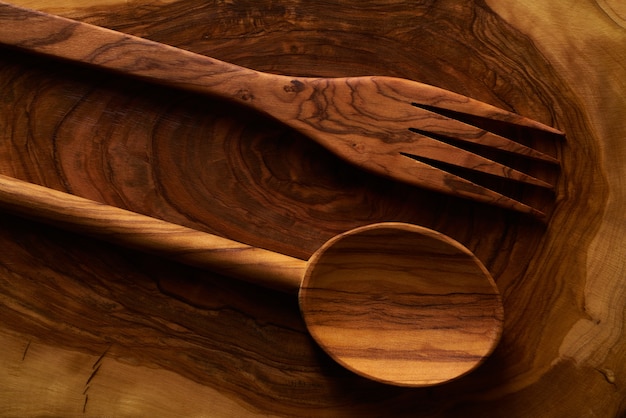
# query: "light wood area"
[[89, 329]]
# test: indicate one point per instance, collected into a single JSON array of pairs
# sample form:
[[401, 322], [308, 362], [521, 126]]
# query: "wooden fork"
[[397, 128]]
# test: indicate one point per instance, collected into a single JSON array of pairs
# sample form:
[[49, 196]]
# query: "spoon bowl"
[[401, 304]]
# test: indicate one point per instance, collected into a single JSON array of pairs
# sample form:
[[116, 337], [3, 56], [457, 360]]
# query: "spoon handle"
[[133, 230]]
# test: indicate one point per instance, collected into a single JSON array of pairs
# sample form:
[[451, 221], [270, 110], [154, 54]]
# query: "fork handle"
[[133, 230], [103, 48]]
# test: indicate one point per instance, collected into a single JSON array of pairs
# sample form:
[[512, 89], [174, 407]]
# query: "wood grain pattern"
[[401, 304], [397, 128], [435, 304], [71, 301], [129, 229]]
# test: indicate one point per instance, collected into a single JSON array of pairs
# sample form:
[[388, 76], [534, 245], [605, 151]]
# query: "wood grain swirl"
[[371, 122], [69, 303]]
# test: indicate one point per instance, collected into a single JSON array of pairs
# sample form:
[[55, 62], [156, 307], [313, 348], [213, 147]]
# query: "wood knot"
[[245, 95], [296, 86]]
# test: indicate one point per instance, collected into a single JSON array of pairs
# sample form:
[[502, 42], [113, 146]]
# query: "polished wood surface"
[[90, 329], [401, 304], [393, 127], [394, 302], [154, 236]]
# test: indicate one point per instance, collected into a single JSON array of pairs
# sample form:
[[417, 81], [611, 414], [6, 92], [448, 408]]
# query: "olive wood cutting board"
[[88, 328]]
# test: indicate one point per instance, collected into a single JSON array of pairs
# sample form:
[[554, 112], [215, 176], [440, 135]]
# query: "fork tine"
[[427, 148], [423, 175], [462, 131], [441, 101], [484, 111]]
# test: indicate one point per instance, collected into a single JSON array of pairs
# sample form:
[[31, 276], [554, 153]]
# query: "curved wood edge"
[[402, 304]]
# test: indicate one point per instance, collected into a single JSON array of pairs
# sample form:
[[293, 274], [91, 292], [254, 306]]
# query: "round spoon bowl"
[[401, 304]]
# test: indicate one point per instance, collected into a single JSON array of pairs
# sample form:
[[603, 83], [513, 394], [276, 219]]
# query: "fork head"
[[432, 138]]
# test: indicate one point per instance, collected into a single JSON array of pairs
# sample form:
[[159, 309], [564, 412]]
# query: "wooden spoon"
[[393, 302]]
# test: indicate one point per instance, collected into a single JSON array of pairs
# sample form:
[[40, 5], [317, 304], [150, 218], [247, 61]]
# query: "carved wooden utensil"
[[393, 302], [396, 128]]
